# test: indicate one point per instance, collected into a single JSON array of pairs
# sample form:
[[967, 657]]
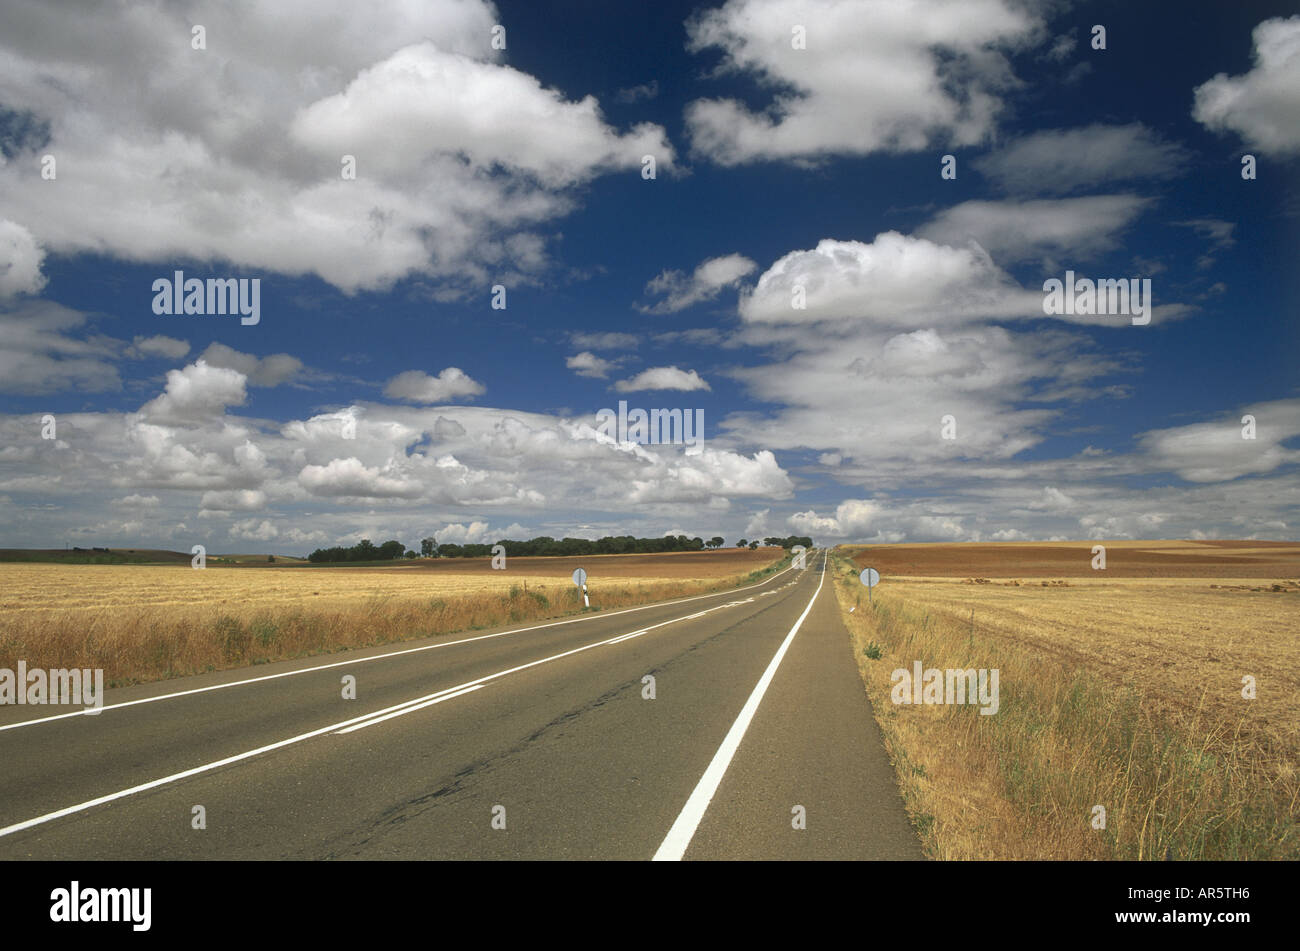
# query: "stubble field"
[[1121, 688], [148, 622]]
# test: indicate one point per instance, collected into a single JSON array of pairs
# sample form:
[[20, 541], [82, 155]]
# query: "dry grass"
[[144, 623], [1118, 692]]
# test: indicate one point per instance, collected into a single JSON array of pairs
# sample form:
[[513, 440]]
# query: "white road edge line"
[[363, 660], [679, 836], [364, 719]]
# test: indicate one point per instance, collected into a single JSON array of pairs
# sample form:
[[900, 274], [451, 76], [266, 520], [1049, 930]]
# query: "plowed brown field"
[[1124, 559]]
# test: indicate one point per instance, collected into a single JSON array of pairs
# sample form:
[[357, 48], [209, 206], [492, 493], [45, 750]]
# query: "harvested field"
[[50, 587], [1124, 559], [662, 566], [149, 622], [1121, 690]]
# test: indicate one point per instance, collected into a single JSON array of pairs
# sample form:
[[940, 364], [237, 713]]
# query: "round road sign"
[[579, 577], [870, 577]]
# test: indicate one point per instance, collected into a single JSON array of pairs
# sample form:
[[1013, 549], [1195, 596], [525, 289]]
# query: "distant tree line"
[[772, 541], [365, 550]]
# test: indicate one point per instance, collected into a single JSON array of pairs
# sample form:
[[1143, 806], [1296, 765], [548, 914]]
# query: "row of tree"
[[365, 550], [773, 542]]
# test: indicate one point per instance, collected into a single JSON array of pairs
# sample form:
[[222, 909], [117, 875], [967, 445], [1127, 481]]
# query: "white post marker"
[[580, 579], [869, 577]]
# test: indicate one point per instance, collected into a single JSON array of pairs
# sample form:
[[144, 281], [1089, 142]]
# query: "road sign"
[[580, 579], [870, 577]]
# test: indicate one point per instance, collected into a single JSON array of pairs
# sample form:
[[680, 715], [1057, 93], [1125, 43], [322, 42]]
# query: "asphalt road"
[[536, 742]]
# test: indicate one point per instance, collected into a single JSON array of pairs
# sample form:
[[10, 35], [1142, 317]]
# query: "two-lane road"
[[727, 726]]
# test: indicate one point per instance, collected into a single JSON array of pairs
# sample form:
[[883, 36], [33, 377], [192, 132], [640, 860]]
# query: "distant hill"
[[132, 556], [96, 556]]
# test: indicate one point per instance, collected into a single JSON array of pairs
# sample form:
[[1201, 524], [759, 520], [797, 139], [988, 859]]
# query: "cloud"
[[868, 81], [235, 153], [196, 393], [416, 386], [1213, 230], [253, 530], [868, 520], [894, 281], [1061, 48], [159, 346], [662, 378], [695, 336], [707, 281], [1076, 229], [20, 261], [265, 371], [590, 365], [1263, 105], [714, 474], [444, 428], [475, 533], [39, 353], [1217, 452], [137, 500], [852, 517], [234, 500], [607, 340], [350, 477], [423, 101], [1058, 161], [895, 335]]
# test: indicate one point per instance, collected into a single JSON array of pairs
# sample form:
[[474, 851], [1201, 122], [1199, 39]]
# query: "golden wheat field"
[[1120, 690], [54, 587], [146, 622], [1186, 643]]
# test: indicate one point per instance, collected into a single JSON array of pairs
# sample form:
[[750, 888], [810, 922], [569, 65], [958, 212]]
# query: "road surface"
[[534, 742]]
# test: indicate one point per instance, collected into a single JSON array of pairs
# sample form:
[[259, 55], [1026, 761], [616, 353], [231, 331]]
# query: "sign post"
[[580, 579], [869, 577]]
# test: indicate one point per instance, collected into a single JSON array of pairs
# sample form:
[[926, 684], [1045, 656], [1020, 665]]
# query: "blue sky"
[[797, 144]]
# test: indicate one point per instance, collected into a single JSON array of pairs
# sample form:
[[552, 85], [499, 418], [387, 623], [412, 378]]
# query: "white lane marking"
[[679, 836], [627, 637], [365, 660], [185, 774], [333, 727], [409, 709]]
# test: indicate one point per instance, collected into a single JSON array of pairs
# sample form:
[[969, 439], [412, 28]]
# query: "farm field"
[[62, 588], [1122, 687], [141, 622], [1124, 559]]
